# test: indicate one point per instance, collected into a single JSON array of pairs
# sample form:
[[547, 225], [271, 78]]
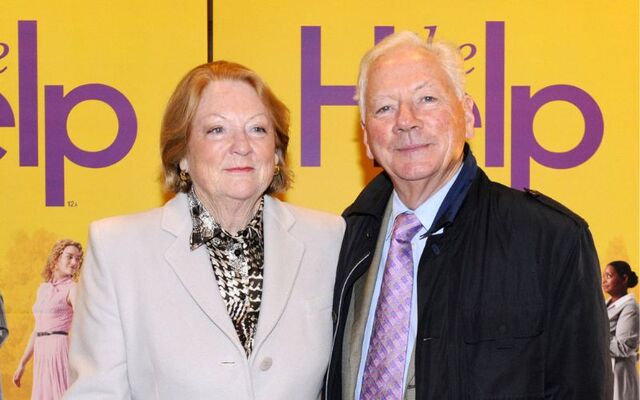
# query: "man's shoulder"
[[554, 205], [372, 200], [533, 205]]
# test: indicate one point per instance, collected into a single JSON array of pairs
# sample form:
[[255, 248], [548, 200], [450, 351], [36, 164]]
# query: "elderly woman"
[[225, 292], [53, 312], [623, 327]]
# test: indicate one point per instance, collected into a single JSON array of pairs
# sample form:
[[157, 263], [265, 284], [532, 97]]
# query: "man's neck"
[[414, 193]]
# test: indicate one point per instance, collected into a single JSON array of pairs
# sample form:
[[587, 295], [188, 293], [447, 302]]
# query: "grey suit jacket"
[[150, 322], [623, 347], [357, 320]]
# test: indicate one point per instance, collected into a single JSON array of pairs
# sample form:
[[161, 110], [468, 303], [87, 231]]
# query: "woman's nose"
[[240, 144]]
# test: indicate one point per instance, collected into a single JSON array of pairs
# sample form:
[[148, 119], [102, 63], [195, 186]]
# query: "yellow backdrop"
[[136, 48], [555, 83], [575, 58]]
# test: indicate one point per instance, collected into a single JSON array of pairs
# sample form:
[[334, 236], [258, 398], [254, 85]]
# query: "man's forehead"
[[382, 93], [405, 55], [412, 68]]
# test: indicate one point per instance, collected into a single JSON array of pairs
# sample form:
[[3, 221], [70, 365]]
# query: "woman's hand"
[[18, 375]]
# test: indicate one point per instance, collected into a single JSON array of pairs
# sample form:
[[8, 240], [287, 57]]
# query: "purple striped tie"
[[383, 376]]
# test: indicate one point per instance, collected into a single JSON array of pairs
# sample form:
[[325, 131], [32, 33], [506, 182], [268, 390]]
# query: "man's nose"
[[406, 119]]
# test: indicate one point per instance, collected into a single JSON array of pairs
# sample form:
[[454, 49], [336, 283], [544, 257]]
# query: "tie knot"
[[406, 226]]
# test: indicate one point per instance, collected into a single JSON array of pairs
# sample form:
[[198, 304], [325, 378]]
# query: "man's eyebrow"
[[422, 85], [380, 97]]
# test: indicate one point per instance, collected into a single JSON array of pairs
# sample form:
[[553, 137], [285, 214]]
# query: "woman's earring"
[[184, 176], [276, 170]]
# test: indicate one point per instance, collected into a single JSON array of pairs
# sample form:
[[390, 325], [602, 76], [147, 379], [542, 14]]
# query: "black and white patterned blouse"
[[237, 262]]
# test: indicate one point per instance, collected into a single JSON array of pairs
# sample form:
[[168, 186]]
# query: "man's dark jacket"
[[509, 298]]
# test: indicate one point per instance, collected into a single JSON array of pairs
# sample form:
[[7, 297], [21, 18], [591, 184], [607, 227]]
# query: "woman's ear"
[[184, 165]]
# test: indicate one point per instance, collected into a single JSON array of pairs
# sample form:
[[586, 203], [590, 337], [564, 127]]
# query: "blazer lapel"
[[282, 258], [193, 268]]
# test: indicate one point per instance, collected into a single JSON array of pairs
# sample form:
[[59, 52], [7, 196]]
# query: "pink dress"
[[51, 353]]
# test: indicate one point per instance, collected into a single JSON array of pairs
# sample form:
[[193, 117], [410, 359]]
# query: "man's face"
[[414, 125]]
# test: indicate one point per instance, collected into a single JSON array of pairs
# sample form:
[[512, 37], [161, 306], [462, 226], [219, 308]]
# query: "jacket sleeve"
[[577, 360], [625, 341], [98, 365]]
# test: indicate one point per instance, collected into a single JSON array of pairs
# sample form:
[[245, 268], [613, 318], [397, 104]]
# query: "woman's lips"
[[239, 169]]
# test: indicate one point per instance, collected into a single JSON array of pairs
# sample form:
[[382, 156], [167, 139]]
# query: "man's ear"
[[469, 119], [365, 140]]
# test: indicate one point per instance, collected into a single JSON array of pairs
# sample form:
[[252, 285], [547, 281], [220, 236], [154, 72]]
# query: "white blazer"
[[150, 322]]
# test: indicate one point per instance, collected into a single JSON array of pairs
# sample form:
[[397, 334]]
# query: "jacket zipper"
[[335, 333]]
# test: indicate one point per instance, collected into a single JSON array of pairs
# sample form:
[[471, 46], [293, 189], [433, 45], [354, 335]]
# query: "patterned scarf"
[[237, 262]]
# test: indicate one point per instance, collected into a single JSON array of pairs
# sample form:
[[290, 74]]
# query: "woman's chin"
[[240, 194]]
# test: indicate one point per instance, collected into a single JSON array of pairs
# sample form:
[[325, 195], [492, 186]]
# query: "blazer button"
[[266, 364]]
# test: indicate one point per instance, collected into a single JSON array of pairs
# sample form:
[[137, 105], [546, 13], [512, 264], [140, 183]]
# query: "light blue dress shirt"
[[425, 213]]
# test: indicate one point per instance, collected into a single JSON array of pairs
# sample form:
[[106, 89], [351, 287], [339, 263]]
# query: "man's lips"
[[412, 147]]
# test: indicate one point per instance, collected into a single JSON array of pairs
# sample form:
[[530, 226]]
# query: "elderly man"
[[450, 286]]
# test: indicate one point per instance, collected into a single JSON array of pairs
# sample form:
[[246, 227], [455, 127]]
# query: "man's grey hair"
[[446, 53]]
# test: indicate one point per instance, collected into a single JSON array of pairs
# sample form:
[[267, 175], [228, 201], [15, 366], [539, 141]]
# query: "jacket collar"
[[622, 301], [373, 199], [283, 254], [457, 194], [193, 268]]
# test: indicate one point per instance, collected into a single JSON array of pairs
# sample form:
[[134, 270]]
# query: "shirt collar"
[[205, 228], [62, 281], [426, 212], [439, 210], [621, 301]]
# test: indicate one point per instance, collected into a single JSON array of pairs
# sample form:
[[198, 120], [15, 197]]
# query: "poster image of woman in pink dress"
[[53, 312]]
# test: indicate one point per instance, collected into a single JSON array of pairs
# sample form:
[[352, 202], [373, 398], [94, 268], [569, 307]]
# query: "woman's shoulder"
[[629, 302], [48, 287], [126, 220], [139, 221], [303, 215], [69, 286], [624, 307], [43, 287]]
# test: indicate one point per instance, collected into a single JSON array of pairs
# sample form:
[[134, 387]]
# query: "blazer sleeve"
[[4, 330], [98, 365], [625, 341], [578, 363]]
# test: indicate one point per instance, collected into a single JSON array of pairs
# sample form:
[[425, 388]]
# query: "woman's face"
[[231, 153], [68, 262], [613, 283]]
